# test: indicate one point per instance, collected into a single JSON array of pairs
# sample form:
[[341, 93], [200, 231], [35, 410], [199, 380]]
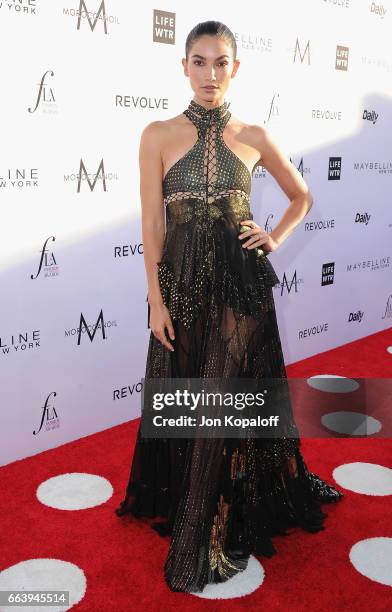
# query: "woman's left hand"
[[257, 237]]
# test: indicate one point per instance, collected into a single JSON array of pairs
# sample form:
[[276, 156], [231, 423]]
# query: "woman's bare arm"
[[153, 214], [153, 227], [289, 180]]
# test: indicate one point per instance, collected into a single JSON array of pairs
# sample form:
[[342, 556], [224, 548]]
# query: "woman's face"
[[210, 63]]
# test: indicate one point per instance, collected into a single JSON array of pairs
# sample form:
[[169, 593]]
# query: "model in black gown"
[[221, 499]]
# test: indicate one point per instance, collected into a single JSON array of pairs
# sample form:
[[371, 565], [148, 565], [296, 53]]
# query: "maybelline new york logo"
[[20, 342], [375, 263], [21, 7], [259, 43], [19, 178], [381, 167]]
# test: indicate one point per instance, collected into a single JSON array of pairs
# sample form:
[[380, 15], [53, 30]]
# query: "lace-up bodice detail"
[[210, 169]]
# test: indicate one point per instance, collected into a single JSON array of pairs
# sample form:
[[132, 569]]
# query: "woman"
[[212, 315]]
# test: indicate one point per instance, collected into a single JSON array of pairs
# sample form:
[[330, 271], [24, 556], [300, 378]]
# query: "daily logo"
[[362, 218], [371, 116], [378, 9]]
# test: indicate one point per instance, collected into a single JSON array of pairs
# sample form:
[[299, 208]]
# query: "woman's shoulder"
[[251, 134], [251, 130], [164, 125], [160, 131]]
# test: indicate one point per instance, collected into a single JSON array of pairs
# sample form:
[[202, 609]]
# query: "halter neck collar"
[[202, 116]]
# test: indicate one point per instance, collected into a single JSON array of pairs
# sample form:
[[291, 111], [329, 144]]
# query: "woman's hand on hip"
[[257, 237]]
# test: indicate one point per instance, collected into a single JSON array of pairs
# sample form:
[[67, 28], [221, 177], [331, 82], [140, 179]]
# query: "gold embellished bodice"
[[206, 195]]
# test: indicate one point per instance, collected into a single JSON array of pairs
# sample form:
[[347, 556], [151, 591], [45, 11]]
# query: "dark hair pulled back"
[[211, 28]]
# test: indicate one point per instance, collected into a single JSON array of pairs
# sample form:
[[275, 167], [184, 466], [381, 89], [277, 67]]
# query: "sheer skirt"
[[222, 499]]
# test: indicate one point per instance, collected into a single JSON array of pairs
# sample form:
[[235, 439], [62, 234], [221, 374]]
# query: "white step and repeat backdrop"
[[80, 80]]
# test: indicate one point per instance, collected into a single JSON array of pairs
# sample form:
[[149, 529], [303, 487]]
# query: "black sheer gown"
[[222, 499]]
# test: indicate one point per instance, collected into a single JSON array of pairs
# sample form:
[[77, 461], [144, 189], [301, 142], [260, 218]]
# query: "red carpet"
[[122, 559], [362, 358]]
